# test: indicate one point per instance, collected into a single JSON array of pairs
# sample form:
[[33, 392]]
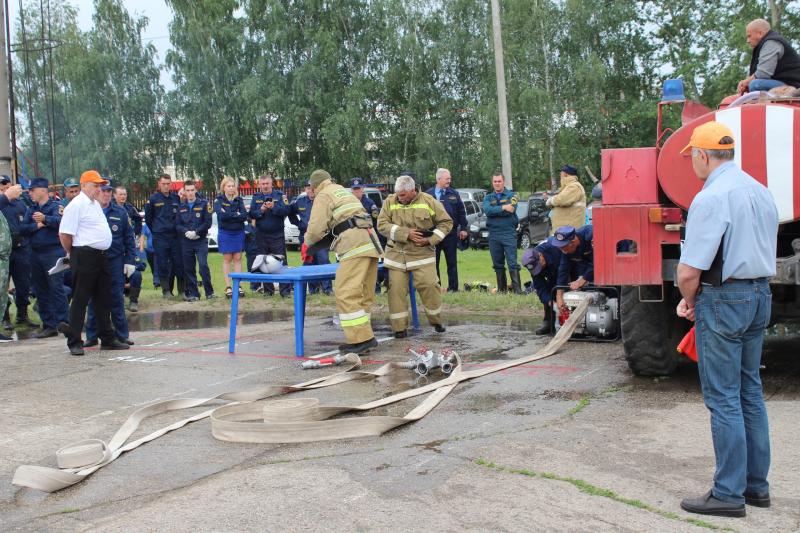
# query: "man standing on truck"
[[569, 205], [726, 262], [774, 62]]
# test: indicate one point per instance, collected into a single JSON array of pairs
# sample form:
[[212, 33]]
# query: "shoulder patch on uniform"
[[210, 209], [285, 199]]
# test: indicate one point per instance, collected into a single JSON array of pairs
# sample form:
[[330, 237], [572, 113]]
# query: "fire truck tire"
[[650, 334]]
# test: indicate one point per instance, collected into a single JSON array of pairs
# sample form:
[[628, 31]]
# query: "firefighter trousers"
[[426, 282], [355, 294]]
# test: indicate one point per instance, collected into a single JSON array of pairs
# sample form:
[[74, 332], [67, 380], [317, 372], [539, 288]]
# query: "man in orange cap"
[[726, 261], [86, 236]]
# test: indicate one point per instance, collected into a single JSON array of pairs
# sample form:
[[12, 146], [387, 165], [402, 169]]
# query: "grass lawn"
[[473, 266]]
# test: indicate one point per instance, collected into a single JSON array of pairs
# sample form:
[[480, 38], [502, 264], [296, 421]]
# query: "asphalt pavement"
[[570, 443]]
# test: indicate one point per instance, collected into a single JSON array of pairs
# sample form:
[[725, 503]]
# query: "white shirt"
[[84, 219]]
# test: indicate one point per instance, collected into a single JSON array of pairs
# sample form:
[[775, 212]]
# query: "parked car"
[[533, 227], [472, 194], [474, 211]]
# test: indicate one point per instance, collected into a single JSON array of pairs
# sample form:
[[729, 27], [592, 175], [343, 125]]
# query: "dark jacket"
[[545, 281], [14, 211], [231, 214], [197, 218], [122, 243], [300, 211], [500, 222], [46, 237], [161, 212], [580, 263], [455, 208], [788, 68], [271, 220], [136, 218]]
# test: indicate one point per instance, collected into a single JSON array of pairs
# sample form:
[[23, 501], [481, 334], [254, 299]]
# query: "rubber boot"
[[133, 306], [7, 318], [24, 320], [516, 286], [547, 321], [501, 281]]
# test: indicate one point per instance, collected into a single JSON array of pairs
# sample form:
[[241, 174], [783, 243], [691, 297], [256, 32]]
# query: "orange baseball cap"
[[708, 136], [92, 176]]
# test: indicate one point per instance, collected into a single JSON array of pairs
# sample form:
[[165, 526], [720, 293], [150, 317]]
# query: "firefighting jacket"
[[396, 219]]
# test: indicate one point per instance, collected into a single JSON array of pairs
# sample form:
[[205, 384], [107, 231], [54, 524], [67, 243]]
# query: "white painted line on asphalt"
[[214, 384]]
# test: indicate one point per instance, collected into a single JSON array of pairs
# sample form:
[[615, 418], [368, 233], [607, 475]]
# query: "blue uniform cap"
[[569, 169], [106, 187], [40, 183], [5, 179], [562, 237], [308, 183], [530, 258], [356, 183], [71, 182]]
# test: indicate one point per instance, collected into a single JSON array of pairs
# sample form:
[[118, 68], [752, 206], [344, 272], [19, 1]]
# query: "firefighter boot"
[[516, 286], [133, 306], [501, 281], [547, 321]]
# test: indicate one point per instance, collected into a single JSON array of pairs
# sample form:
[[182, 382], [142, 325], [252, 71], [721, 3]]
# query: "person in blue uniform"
[[121, 262], [121, 199], [269, 207], [454, 206], [133, 283], [71, 189], [301, 209], [576, 268], [146, 245], [543, 262], [20, 260], [231, 219], [160, 214], [40, 225], [251, 251], [500, 207], [194, 221], [357, 187]]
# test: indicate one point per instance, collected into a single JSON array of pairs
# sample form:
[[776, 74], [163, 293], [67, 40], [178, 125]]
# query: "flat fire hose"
[[276, 421]]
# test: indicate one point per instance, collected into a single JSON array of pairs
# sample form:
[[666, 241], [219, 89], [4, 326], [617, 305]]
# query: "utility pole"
[[5, 139], [505, 145]]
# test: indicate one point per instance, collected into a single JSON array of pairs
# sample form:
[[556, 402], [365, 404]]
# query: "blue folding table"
[[300, 277]]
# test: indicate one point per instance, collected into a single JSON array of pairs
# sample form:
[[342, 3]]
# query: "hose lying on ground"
[[277, 421]]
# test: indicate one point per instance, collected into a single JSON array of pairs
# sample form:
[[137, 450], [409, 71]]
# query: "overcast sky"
[[157, 31]]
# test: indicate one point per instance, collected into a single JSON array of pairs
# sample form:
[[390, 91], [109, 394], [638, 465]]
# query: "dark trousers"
[[196, 252], [168, 260], [118, 318], [52, 298], [503, 249], [251, 251], [449, 246], [273, 244], [19, 268], [91, 280], [151, 260]]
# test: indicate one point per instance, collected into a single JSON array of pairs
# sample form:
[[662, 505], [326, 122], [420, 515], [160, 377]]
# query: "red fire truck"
[[646, 195]]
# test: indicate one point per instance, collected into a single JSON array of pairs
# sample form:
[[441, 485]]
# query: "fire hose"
[[276, 421]]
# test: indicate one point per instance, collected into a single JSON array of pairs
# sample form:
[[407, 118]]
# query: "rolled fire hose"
[[276, 421]]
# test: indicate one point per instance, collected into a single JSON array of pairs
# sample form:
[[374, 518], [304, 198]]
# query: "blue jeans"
[[730, 323], [764, 85], [503, 247]]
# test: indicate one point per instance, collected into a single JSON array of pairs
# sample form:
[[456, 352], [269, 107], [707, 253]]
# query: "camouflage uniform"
[[355, 277], [403, 256], [5, 257]]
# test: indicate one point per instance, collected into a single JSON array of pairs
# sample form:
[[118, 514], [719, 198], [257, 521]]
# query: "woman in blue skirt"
[[231, 218]]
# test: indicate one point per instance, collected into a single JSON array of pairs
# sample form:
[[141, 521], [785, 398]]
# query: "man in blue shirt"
[[732, 220], [194, 221], [122, 264], [543, 262], [121, 199], [269, 207], [500, 207], [452, 203], [40, 225], [20, 260], [301, 208], [576, 268], [160, 215]]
